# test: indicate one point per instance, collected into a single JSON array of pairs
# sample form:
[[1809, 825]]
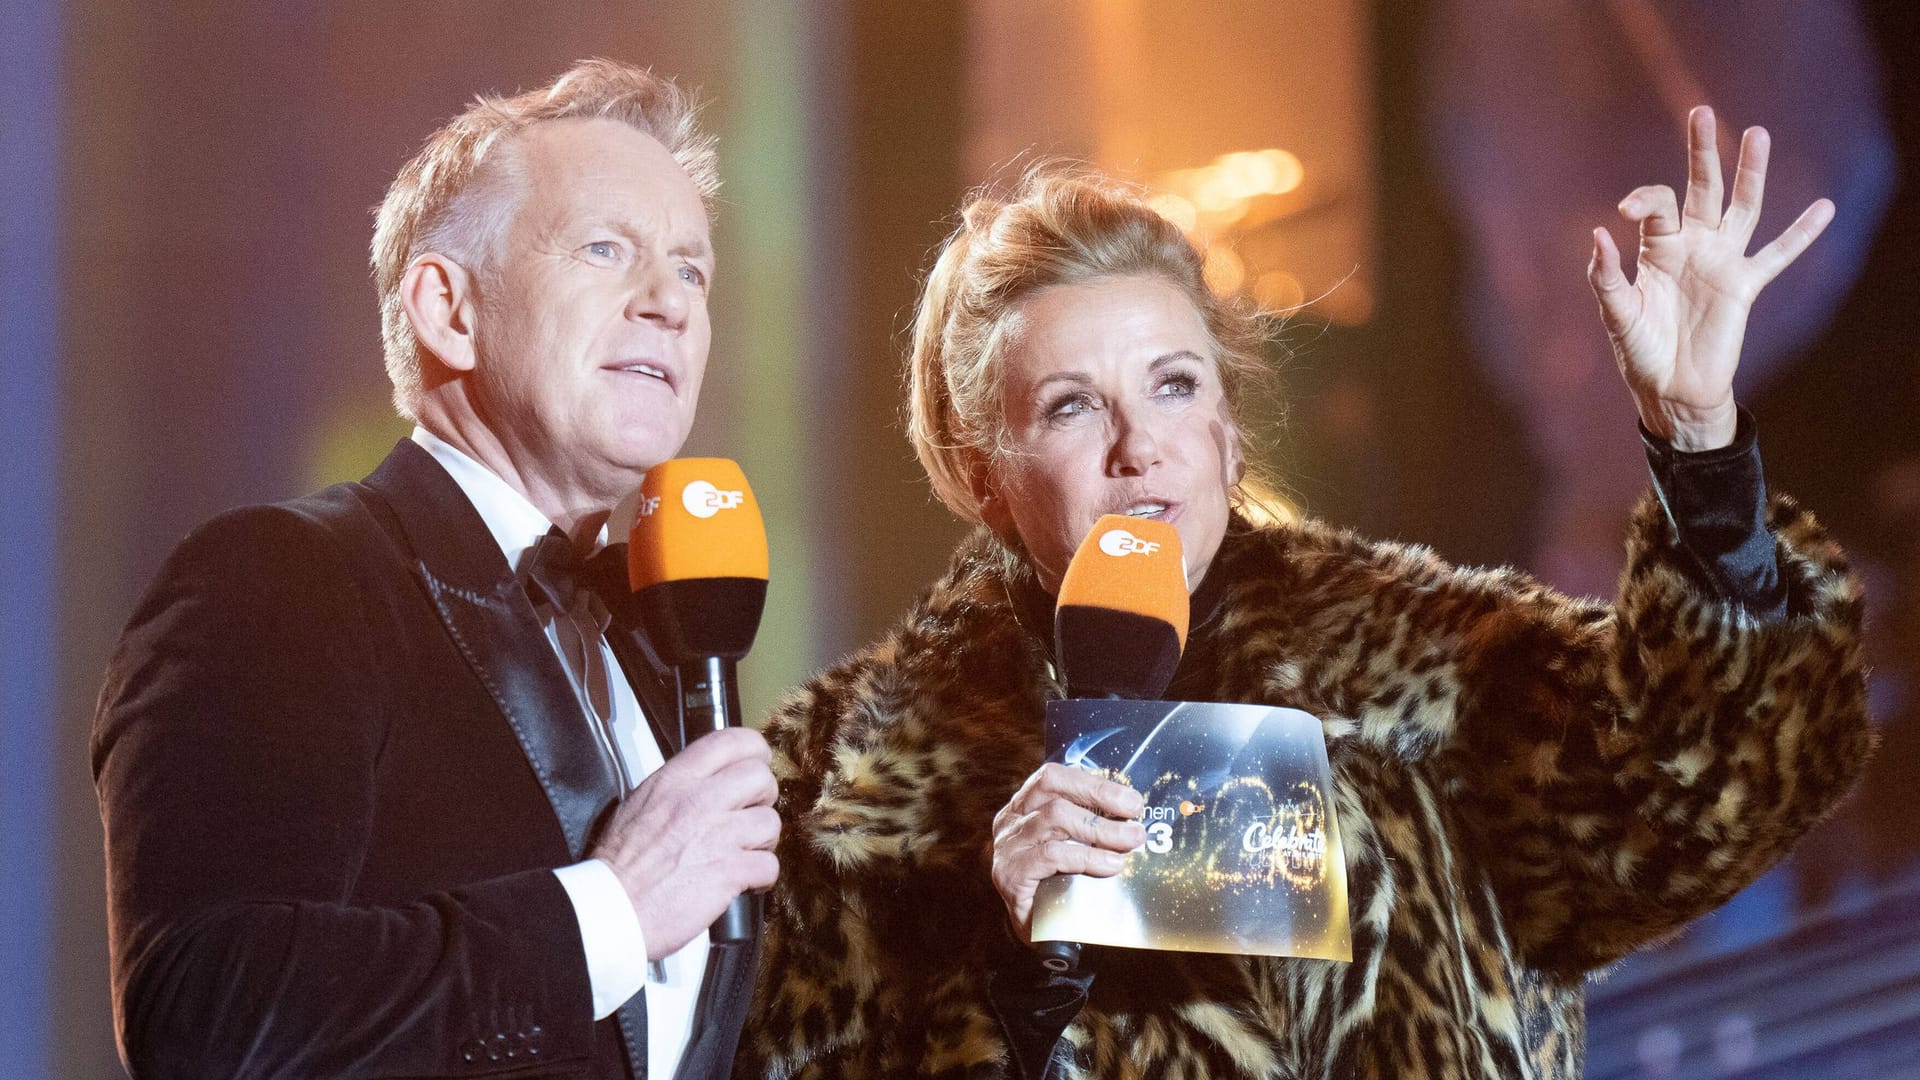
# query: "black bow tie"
[[554, 571]]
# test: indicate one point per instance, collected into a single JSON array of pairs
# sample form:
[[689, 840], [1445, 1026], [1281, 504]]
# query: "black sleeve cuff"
[[1716, 503], [1033, 1004]]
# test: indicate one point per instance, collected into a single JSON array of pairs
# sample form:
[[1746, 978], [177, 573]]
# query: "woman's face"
[[1113, 405]]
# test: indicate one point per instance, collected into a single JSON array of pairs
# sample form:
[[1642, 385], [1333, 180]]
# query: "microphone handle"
[[709, 697], [1059, 957], [710, 701]]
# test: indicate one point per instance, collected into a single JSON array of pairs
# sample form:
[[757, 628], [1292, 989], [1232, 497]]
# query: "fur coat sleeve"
[[1620, 769], [1528, 786]]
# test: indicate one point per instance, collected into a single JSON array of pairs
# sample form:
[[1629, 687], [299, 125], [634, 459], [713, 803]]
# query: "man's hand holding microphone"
[[694, 840]]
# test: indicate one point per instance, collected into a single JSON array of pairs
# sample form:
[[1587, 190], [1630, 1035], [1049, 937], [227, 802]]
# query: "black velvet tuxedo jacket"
[[337, 760]]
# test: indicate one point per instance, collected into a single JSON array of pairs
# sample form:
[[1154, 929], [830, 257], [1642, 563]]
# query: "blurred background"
[[187, 324]]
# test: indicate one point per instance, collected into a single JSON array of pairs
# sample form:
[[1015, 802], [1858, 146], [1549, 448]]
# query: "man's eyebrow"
[[696, 249], [699, 248]]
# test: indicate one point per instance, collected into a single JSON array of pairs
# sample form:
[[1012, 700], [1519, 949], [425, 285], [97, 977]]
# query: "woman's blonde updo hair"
[[1059, 226]]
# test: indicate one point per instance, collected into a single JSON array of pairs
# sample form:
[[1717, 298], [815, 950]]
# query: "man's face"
[[591, 335]]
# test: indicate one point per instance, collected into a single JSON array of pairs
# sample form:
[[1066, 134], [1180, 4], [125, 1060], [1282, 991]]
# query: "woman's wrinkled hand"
[[1676, 327], [1061, 821]]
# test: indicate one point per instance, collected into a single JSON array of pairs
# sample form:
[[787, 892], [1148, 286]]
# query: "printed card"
[[1243, 852]]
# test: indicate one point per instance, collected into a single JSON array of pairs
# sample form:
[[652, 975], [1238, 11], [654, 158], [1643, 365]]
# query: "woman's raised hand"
[[1062, 821], [1676, 328]]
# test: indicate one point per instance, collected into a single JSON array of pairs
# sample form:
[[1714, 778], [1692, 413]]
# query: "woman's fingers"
[[1703, 168], [1017, 870], [1020, 871], [1619, 302], [1061, 819], [1786, 247], [1037, 816], [1704, 185], [1089, 789], [1749, 183], [1061, 857], [1655, 208]]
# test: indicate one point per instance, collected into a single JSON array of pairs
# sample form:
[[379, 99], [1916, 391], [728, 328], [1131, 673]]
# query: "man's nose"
[[659, 295], [1136, 447]]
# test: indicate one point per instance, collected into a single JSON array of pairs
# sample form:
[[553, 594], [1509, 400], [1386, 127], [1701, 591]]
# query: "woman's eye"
[[1177, 386], [1068, 406]]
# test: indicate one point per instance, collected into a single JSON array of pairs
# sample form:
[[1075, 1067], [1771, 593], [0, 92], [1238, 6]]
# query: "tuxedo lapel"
[[488, 616], [655, 686]]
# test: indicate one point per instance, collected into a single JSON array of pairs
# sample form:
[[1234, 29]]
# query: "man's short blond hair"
[[457, 196]]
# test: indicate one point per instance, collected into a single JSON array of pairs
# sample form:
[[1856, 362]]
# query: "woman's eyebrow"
[[1076, 377]]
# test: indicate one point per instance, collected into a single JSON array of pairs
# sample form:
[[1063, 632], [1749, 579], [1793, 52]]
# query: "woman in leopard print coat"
[[1528, 786]]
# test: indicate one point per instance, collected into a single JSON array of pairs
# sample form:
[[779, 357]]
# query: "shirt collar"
[[516, 524]]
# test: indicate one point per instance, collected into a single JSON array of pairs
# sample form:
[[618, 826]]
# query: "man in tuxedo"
[[383, 769]]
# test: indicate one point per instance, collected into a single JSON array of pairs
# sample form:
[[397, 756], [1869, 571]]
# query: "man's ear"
[[438, 297]]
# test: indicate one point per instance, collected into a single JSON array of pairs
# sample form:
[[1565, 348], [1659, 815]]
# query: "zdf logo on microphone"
[[703, 500], [1118, 542]]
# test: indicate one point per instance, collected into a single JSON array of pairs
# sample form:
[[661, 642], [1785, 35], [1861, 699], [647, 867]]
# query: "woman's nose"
[[1136, 448]]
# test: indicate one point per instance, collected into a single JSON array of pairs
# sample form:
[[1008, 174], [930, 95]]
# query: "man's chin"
[[636, 463]]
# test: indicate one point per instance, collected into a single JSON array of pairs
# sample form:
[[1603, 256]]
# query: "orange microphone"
[[697, 560], [1119, 629], [1123, 607]]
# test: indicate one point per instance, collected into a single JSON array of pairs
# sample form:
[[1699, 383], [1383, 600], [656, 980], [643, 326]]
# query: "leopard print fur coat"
[[1528, 788]]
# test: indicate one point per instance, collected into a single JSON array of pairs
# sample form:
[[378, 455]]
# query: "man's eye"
[[603, 249], [693, 275]]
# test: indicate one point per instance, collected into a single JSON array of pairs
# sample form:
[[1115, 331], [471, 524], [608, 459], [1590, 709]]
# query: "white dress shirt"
[[610, 933]]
